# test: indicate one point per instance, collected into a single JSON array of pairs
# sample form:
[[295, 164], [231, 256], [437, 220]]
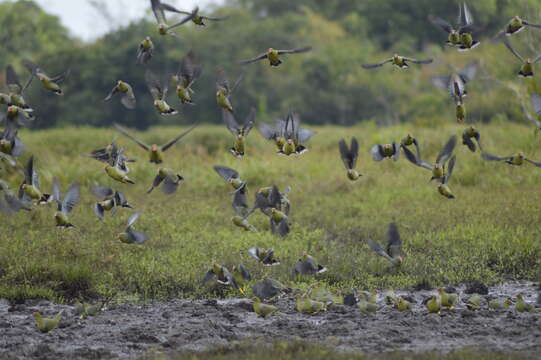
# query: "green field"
[[489, 232]]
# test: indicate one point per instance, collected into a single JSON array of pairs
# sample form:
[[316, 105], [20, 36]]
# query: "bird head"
[[23, 186], [105, 166], [13, 110], [520, 154], [154, 148], [396, 56], [156, 102], [508, 301], [36, 314], [270, 50], [441, 290], [529, 60], [520, 296], [147, 38], [516, 18], [162, 28]]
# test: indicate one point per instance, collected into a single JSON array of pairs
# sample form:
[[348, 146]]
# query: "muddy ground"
[[128, 331]]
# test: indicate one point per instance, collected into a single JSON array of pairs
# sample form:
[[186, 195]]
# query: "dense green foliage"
[[490, 232], [326, 85]]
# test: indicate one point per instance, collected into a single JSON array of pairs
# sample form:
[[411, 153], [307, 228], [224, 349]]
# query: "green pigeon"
[[447, 300], [159, 9], [159, 94], [402, 304], [309, 306], [399, 61], [85, 310], [370, 296], [273, 55], [9, 202], [499, 305], [474, 302], [10, 144], [274, 133], [515, 160], [471, 133], [443, 187], [65, 205], [17, 116], [116, 171], [523, 306], [272, 206], [155, 152], [239, 132], [199, 19], [307, 265], [461, 35], [514, 26], [231, 176], [221, 275], [263, 310], [46, 325], [264, 256], [295, 136], [168, 179], [30, 189], [110, 155], [15, 95], [409, 140], [283, 204], [145, 51], [393, 249], [128, 97], [438, 169], [433, 305], [349, 156], [188, 72], [380, 152], [49, 83], [460, 111], [224, 90], [526, 70], [455, 83], [367, 307], [130, 236], [241, 275], [109, 200], [240, 207]]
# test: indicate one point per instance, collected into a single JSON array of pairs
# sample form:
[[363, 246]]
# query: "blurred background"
[[97, 40]]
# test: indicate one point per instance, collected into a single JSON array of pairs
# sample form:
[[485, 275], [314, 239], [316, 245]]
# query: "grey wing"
[[230, 279], [254, 59], [18, 147], [12, 80], [267, 131], [304, 135], [283, 227], [154, 85], [396, 154], [512, 49], [71, 198], [98, 210], [447, 150], [376, 65], [345, 154], [530, 24], [124, 132], [237, 83], [102, 192], [221, 79], [136, 237], [376, 152], [128, 100], [157, 9], [176, 139], [414, 160], [230, 122], [155, 183], [244, 272], [31, 67], [536, 103], [170, 184], [378, 249], [533, 162], [215, 18], [133, 218], [240, 203], [208, 276], [394, 242], [249, 121], [415, 61], [469, 72], [254, 253], [226, 173], [111, 93], [464, 15], [444, 25], [185, 20], [441, 81], [56, 191], [295, 51], [466, 140], [450, 168], [491, 157], [354, 151]]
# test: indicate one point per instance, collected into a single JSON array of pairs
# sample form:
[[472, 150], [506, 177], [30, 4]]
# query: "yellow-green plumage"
[[263, 310], [433, 305], [46, 325], [118, 175]]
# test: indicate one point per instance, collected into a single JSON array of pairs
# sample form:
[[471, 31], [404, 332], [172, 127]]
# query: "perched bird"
[[155, 152], [448, 301], [460, 36], [399, 61], [9, 202], [221, 275], [264, 256], [199, 19], [526, 70], [49, 83], [367, 307], [128, 97], [239, 132], [66, 205], [516, 25], [370, 296], [130, 236], [515, 160], [159, 9], [109, 200], [273, 55], [46, 325], [274, 133], [393, 250], [295, 136], [168, 179], [159, 94], [116, 171], [455, 83], [309, 306], [523, 306], [499, 305], [188, 72], [471, 133], [380, 152], [30, 189], [263, 310], [85, 310], [438, 169], [474, 302], [433, 305], [402, 304], [349, 157], [231, 176], [145, 51], [224, 90], [307, 265]]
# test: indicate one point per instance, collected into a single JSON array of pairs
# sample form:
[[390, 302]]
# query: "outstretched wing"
[[176, 139], [376, 65], [123, 131]]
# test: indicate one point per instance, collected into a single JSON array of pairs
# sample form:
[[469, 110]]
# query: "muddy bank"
[[128, 331]]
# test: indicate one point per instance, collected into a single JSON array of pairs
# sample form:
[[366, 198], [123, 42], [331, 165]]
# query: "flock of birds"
[[287, 135]]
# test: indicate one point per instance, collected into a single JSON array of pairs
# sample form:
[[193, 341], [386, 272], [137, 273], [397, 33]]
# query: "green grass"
[[490, 232], [301, 351]]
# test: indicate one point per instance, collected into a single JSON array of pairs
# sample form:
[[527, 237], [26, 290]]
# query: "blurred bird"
[[448, 301], [402, 304], [130, 236], [499, 305], [239, 132], [474, 302], [514, 26], [30, 189], [110, 155], [159, 9], [460, 111], [145, 51], [460, 36], [526, 70], [128, 97], [307, 265], [274, 133], [10, 144], [9, 202], [16, 116], [159, 94], [221, 275], [456, 82], [398, 61], [443, 187], [523, 306], [116, 171], [231, 176], [168, 179], [433, 305], [16, 90], [471, 133], [367, 307], [272, 207], [264, 256], [85, 310], [263, 310], [438, 169], [155, 152], [295, 136], [349, 157], [393, 250], [188, 72], [109, 200], [240, 207], [224, 90], [536, 104], [241, 275], [49, 83], [380, 152], [515, 160], [409, 140], [309, 306], [66, 205], [199, 19], [46, 325], [273, 55]]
